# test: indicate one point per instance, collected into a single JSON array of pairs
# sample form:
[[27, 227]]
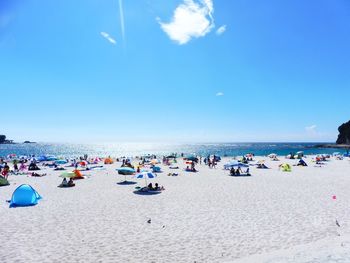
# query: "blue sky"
[[175, 70]]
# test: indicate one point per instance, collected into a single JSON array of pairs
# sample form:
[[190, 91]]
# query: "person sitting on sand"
[[150, 186], [5, 173], [38, 175], [15, 167], [262, 166], [22, 167], [71, 183], [59, 169], [64, 182], [192, 166], [158, 188], [209, 163], [238, 172], [232, 171], [33, 167]]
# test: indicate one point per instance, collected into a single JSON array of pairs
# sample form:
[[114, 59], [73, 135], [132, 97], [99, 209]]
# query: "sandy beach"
[[87, 81], [201, 217]]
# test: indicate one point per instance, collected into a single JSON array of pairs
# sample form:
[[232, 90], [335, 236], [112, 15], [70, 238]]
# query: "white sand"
[[203, 217]]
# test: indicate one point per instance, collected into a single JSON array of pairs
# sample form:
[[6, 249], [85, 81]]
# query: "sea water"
[[138, 149]]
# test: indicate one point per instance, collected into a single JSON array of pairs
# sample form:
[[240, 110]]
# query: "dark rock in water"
[[329, 146], [344, 133], [29, 142]]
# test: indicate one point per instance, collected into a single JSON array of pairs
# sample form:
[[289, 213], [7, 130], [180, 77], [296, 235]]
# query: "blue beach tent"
[[24, 195], [41, 159], [156, 169]]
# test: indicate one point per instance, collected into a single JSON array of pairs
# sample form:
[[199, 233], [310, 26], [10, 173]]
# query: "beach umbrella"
[[51, 158], [125, 170], [60, 162], [40, 158], [68, 175], [145, 175], [155, 161], [191, 158]]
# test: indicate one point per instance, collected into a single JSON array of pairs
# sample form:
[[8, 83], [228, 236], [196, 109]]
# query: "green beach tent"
[[3, 181], [286, 167]]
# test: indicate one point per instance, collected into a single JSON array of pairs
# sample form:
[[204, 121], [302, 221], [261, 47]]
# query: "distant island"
[[3, 140]]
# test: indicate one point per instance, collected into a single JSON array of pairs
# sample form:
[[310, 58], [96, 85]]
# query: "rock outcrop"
[[344, 133]]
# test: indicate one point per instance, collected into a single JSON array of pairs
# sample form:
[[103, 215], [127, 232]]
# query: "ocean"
[[138, 149]]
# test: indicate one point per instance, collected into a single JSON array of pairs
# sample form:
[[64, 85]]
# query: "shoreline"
[[132, 150], [331, 146]]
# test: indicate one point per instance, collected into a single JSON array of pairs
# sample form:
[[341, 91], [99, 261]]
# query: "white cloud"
[[122, 22], [221, 30], [311, 128], [219, 94], [108, 37], [191, 19], [312, 133]]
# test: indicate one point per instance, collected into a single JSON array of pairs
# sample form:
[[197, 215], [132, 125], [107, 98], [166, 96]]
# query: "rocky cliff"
[[344, 133]]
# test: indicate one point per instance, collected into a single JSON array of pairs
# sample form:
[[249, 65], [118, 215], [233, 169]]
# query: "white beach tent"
[[234, 163]]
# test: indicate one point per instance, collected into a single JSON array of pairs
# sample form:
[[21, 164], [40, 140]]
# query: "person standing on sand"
[[213, 164], [6, 170], [15, 167]]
